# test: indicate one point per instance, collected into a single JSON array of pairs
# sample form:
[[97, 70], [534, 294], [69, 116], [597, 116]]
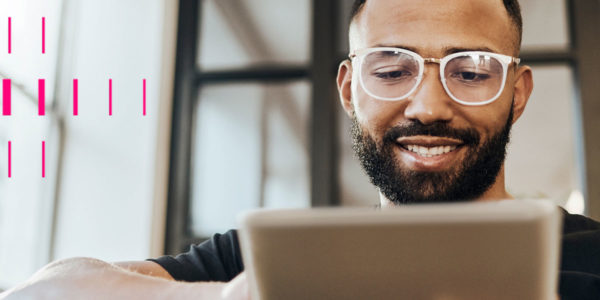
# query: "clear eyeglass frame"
[[505, 61]]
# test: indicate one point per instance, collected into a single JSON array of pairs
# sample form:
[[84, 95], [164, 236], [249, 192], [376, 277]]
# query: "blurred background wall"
[[242, 113], [97, 196]]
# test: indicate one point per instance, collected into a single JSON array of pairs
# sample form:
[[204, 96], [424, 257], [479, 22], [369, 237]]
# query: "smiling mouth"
[[429, 146], [429, 151]]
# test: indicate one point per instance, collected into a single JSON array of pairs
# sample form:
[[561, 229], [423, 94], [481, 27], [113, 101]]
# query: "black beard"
[[465, 182]]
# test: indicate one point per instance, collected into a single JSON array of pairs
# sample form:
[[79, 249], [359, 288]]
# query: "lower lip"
[[435, 163]]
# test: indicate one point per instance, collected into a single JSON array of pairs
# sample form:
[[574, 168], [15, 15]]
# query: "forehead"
[[429, 26]]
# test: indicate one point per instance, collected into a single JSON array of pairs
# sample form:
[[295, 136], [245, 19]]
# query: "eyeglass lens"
[[470, 78]]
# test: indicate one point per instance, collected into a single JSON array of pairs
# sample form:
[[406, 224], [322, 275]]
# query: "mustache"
[[468, 136]]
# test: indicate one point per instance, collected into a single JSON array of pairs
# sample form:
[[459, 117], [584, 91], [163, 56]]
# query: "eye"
[[470, 77], [392, 73]]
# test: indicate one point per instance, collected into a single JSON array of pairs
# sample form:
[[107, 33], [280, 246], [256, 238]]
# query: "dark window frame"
[[319, 71]]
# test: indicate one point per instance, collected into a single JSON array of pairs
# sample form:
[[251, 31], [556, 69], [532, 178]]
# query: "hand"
[[77, 278], [236, 288]]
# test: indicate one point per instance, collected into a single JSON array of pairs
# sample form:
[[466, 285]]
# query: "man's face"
[[389, 135]]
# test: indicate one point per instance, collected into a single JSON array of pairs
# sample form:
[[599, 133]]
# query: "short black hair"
[[512, 7]]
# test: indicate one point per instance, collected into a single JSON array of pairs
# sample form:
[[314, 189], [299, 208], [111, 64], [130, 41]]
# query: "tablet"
[[495, 250]]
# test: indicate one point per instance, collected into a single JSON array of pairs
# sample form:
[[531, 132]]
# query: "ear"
[[344, 85], [522, 90]]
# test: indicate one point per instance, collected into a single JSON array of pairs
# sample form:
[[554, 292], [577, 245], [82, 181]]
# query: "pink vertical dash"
[[6, 97], [43, 159], [9, 35], [9, 159], [144, 96], [43, 35], [41, 97], [110, 97], [75, 100]]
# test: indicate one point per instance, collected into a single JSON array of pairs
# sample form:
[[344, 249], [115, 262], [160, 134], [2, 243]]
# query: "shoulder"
[[580, 244], [573, 223]]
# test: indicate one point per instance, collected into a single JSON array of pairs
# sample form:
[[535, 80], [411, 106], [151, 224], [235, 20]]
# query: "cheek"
[[487, 120], [376, 115], [491, 118]]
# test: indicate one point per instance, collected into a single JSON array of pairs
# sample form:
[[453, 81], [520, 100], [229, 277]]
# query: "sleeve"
[[579, 286], [217, 259], [580, 265]]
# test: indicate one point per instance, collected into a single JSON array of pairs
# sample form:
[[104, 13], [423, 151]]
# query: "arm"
[[85, 278], [145, 268]]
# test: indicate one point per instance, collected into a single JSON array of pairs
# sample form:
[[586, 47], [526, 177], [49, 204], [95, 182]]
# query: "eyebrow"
[[445, 50], [397, 46], [453, 50]]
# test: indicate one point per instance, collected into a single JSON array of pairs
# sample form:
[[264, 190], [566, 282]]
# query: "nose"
[[430, 103]]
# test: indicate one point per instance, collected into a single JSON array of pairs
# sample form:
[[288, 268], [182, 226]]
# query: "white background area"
[[104, 206]]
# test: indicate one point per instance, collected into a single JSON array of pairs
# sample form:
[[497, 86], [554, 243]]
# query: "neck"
[[497, 191]]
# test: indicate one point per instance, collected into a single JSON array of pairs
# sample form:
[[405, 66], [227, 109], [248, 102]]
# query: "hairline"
[[515, 19]]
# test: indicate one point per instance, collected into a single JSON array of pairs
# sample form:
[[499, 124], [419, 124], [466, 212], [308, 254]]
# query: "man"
[[432, 87]]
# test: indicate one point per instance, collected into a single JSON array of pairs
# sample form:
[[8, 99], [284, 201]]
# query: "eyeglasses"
[[469, 78]]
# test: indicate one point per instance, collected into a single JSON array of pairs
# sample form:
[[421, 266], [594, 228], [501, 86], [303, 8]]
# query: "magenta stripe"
[[110, 97], [6, 97], [43, 159], [75, 98], [43, 35], [144, 96], [9, 159], [41, 97], [9, 35]]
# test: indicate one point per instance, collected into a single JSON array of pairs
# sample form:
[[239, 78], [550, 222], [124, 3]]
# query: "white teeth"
[[430, 151]]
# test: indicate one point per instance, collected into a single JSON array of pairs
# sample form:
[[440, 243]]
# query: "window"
[[250, 150], [27, 199], [250, 129], [551, 119]]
